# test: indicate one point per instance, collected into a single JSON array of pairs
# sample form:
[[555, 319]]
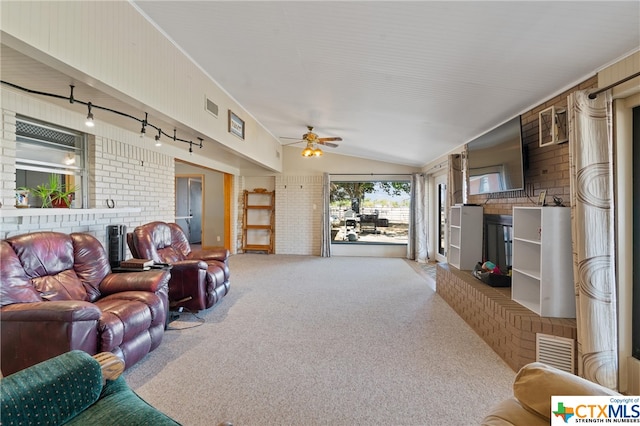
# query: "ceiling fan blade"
[[334, 139], [284, 137], [292, 143], [329, 144]]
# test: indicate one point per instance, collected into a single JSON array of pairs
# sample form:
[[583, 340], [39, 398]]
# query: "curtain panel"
[[417, 246], [455, 179], [592, 223], [325, 249]]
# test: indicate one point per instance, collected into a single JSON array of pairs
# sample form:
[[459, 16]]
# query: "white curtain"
[[417, 247], [455, 192], [592, 223], [325, 249]]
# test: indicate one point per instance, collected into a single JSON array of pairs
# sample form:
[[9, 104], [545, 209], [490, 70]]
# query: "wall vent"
[[211, 106], [556, 351]]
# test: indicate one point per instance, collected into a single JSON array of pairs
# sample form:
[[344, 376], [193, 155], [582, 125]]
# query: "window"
[[43, 150], [370, 212]]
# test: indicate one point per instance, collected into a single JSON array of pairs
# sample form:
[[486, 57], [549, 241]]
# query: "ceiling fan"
[[312, 140]]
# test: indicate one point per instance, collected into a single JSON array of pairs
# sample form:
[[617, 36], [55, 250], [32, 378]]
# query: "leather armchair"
[[199, 278], [57, 294]]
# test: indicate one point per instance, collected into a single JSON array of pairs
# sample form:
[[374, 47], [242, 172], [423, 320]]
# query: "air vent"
[[211, 106], [556, 351]]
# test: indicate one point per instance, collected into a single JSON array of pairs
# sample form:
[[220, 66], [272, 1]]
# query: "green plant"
[[52, 192]]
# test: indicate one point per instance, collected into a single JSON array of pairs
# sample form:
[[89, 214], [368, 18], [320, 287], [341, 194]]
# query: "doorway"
[[189, 207], [440, 205]]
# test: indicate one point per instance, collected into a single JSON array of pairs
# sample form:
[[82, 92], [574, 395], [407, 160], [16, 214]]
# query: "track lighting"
[[89, 122], [144, 126]]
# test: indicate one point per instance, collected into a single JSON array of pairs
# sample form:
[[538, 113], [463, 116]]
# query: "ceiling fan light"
[[307, 152], [317, 152]]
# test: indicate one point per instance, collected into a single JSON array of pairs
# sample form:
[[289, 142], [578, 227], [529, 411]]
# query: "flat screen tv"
[[495, 160]]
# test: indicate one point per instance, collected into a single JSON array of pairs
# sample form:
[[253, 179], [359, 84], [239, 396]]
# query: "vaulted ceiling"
[[404, 82]]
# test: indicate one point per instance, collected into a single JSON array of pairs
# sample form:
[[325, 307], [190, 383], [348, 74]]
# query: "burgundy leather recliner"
[[199, 278], [57, 294]]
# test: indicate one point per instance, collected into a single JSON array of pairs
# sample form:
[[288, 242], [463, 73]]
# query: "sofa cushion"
[[536, 383], [51, 392], [48, 259], [119, 405], [510, 413], [16, 286], [91, 264]]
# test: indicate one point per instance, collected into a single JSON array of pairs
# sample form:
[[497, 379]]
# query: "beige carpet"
[[323, 341]]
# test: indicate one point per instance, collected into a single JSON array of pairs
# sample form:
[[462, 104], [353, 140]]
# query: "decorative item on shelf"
[[542, 197], [22, 199], [52, 193], [552, 123]]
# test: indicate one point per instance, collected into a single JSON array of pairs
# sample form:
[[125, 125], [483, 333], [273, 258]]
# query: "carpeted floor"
[[305, 340]]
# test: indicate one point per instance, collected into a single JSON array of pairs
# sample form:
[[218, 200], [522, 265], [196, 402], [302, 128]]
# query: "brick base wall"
[[506, 326]]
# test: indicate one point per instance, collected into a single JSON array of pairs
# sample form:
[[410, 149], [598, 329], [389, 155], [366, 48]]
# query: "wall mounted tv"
[[495, 160]]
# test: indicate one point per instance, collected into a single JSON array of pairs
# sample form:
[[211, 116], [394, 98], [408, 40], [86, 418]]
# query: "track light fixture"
[[144, 126], [90, 120]]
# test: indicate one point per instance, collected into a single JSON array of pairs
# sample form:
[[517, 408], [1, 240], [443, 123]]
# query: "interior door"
[[195, 206], [440, 205], [189, 207]]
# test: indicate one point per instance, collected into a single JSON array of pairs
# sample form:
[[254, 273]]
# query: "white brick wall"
[[7, 159], [122, 167], [298, 214]]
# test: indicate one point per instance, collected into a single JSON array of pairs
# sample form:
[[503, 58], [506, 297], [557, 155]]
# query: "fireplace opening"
[[498, 241]]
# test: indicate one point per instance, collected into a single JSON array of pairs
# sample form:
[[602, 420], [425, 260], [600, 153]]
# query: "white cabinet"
[[542, 271], [465, 236]]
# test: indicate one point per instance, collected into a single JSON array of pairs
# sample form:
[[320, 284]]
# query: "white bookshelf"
[[542, 271], [465, 236]]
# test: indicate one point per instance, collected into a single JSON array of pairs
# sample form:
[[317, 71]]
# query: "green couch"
[[75, 389]]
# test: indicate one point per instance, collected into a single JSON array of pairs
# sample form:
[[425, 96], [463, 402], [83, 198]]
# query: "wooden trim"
[[228, 194]]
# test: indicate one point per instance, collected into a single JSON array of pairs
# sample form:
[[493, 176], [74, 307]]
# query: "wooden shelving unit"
[[258, 228]]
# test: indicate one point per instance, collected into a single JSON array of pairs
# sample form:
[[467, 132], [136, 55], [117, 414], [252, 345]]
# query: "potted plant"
[[52, 193]]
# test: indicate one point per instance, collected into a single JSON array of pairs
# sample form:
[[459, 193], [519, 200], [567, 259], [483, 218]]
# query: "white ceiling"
[[404, 82]]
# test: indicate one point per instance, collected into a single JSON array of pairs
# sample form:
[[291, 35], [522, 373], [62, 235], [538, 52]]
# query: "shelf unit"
[[258, 227], [465, 236], [542, 271]]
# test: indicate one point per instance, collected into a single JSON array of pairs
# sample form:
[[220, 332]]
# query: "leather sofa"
[[533, 388], [199, 278], [57, 293], [75, 389]]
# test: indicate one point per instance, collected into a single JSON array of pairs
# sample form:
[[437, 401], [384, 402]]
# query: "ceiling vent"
[[556, 351], [211, 107]]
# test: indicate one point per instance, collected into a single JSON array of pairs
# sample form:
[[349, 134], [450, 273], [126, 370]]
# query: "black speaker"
[[116, 235]]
